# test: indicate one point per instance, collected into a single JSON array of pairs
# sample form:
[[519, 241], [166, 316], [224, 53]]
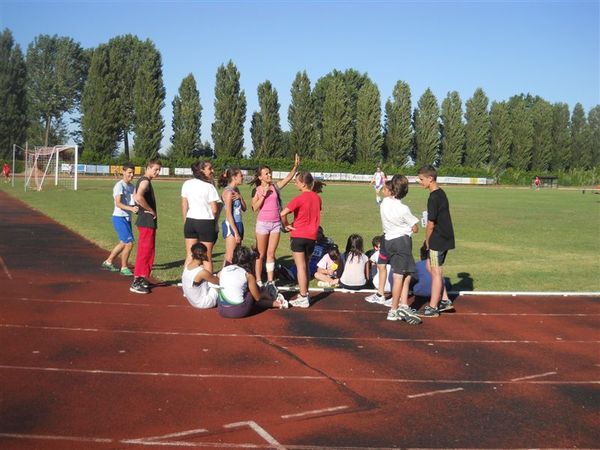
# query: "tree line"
[[117, 88]]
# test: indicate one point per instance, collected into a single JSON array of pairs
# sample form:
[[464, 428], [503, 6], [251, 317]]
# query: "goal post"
[[52, 166]]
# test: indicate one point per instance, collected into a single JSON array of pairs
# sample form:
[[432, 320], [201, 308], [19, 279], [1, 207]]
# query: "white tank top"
[[234, 285], [201, 296]]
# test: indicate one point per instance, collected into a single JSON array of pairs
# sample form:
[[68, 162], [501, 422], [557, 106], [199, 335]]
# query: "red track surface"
[[84, 363]]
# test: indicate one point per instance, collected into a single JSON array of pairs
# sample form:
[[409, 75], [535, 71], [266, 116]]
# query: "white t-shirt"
[[201, 296], [354, 270], [234, 284], [375, 273], [396, 218], [199, 195], [125, 191], [327, 263]]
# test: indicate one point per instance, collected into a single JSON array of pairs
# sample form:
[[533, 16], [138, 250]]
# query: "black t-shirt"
[[438, 211], [145, 219]]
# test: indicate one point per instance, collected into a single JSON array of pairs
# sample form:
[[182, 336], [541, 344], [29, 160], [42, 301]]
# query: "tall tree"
[[427, 130], [398, 135], [522, 131], [337, 124], [269, 140], [452, 131], [541, 113], [56, 69], [368, 124], [13, 105], [477, 130], [302, 118], [561, 136], [500, 137], [594, 124], [187, 119], [148, 101], [230, 113], [256, 133], [581, 151], [98, 107]]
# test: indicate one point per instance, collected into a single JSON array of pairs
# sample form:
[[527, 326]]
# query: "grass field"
[[507, 239]]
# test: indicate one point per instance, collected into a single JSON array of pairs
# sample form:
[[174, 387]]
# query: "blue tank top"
[[236, 206]]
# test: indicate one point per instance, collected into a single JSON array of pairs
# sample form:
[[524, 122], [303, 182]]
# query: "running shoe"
[[138, 288], [393, 315], [108, 266], [409, 315], [445, 305], [376, 298], [126, 272], [429, 311], [301, 301]]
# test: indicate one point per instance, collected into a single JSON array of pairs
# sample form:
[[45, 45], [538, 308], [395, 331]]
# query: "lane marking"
[[258, 430], [166, 436], [442, 391], [294, 337], [315, 411], [5, 268], [290, 377], [530, 377], [55, 438]]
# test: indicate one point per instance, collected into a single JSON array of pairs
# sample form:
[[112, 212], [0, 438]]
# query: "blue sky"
[[546, 48]]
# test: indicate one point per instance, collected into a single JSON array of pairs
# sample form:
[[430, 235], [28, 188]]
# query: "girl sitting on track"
[[329, 267], [239, 292], [356, 264], [234, 205], [196, 277]]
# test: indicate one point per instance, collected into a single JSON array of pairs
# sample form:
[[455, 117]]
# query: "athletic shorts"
[[201, 229], [437, 258], [227, 231], [399, 251], [123, 228], [302, 245], [267, 227]]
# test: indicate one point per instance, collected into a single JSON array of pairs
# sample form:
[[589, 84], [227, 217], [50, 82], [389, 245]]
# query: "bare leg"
[[209, 263], [262, 241], [188, 251], [301, 267], [396, 289], [382, 269], [229, 248], [404, 293], [273, 243], [436, 286], [115, 252], [125, 254]]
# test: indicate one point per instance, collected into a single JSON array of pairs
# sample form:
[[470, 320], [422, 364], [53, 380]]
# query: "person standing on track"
[[234, 206]]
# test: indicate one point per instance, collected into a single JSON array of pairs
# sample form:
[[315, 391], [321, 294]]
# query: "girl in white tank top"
[[195, 279]]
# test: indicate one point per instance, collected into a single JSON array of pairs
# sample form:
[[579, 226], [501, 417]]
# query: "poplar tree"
[[368, 124], [500, 136], [256, 133], [561, 136], [337, 124], [13, 104], [187, 119], [541, 157], [594, 124], [302, 118], [452, 131], [477, 130], [398, 135], [149, 98], [99, 129], [427, 130], [269, 139], [581, 157], [522, 131], [230, 113]]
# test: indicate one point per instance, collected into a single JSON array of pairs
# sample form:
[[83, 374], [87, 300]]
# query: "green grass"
[[506, 238]]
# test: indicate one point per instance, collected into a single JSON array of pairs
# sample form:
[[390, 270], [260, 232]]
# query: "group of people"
[[239, 287]]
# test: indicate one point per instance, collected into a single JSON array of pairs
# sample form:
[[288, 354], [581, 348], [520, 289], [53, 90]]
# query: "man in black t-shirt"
[[439, 238]]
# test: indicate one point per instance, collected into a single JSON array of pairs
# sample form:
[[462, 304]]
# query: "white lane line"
[[442, 391], [54, 438], [530, 377], [313, 412], [5, 268], [166, 436], [258, 430], [294, 337], [289, 377]]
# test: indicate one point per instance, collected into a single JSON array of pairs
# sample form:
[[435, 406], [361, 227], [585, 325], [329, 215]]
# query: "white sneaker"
[[283, 303], [300, 301], [393, 315], [325, 284], [375, 298], [388, 302]]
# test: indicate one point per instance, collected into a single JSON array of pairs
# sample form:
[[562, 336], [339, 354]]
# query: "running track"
[[85, 364]]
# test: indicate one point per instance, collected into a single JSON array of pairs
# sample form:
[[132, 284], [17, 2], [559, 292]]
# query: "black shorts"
[[399, 251], [302, 245], [437, 258], [202, 229]]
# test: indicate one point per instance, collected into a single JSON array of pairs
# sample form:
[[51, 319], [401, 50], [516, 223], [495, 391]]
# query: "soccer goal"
[[54, 166]]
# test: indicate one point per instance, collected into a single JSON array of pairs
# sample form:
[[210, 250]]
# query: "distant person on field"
[[6, 172], [439, 238], [196, 278], [378, 181], [239, 293], [356, 264], [123, 196], [537, 182], [233, 206], [147, 223]]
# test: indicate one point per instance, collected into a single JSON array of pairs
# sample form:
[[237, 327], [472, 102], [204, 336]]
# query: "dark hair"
[[128, 165], [429, 171], [312, 184], [197, 169], [256, 181], [153, 161], [199, 252], [228, 175], [354, 246], [376, 241], [245, 258], [399, 186], [336, 257]]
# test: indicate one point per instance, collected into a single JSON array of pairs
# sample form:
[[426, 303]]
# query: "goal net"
[[51, 166]]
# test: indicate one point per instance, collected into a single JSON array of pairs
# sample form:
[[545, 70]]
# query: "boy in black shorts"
[[439, 238]]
